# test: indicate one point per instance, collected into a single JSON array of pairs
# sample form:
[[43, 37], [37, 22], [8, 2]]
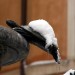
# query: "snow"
[[46, 30], [70, 71]]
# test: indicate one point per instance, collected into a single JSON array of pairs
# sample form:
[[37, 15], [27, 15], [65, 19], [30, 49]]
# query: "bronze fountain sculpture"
[[14, 43]]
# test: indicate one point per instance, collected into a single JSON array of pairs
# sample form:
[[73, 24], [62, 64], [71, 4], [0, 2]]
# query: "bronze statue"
[[14, 43]]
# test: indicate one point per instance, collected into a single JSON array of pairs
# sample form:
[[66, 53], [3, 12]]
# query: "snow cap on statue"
[[45, 29]]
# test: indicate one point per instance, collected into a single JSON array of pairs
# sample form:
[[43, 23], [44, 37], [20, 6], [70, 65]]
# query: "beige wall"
[[71, 29]]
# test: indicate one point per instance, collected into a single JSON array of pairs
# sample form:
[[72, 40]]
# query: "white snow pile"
[[70, 71], [45, 29]]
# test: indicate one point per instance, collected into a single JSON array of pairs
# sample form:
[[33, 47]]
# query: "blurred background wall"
[[24, 11], [10, 9]]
